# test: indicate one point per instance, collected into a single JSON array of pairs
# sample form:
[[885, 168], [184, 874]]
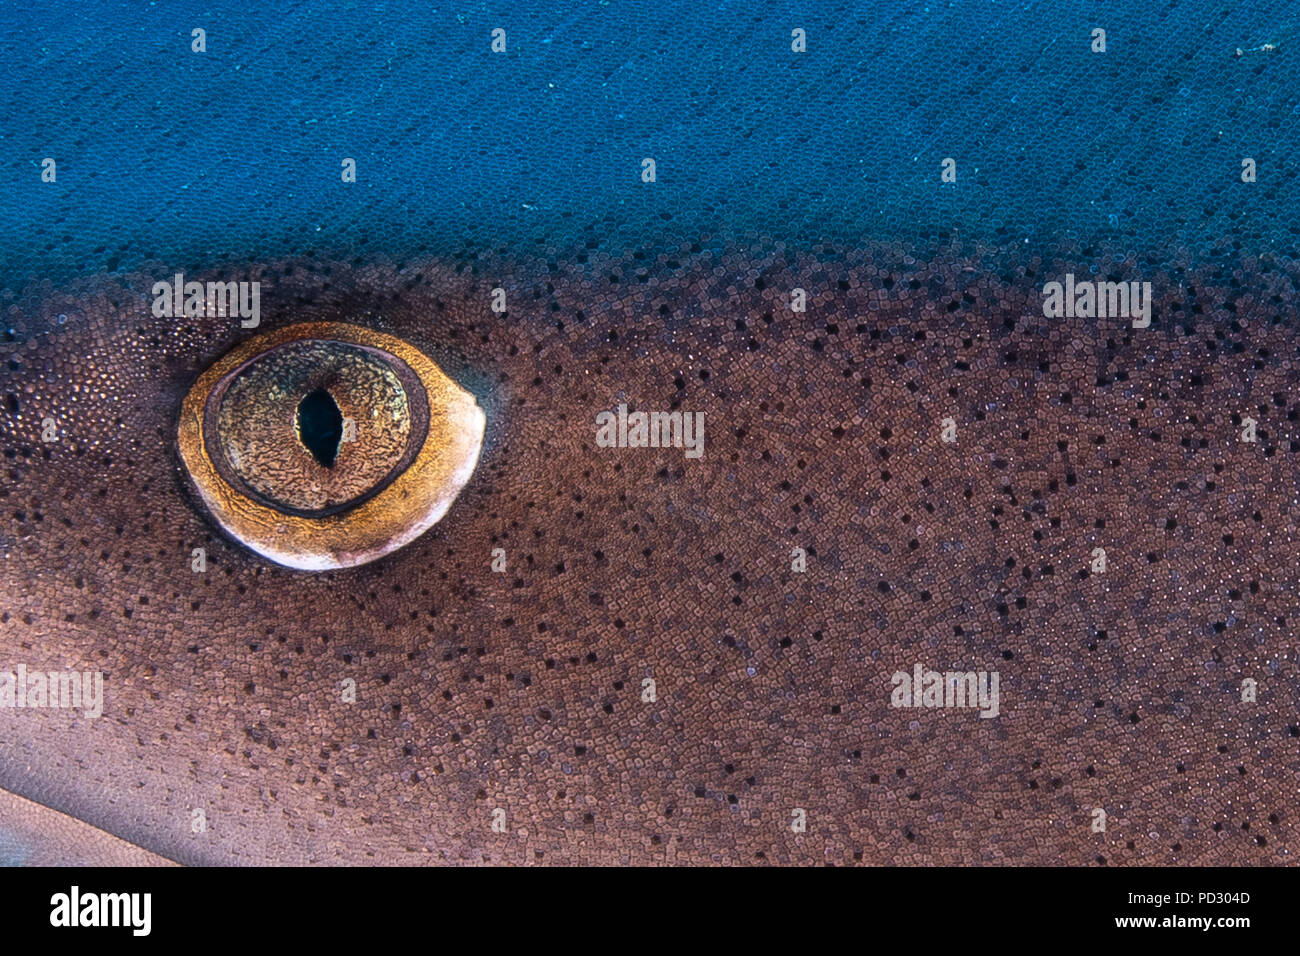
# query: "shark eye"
[[355, 415], [324, 445]]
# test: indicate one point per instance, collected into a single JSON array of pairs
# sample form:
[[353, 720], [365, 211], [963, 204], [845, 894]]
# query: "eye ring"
[[419, 415], [441, 452]]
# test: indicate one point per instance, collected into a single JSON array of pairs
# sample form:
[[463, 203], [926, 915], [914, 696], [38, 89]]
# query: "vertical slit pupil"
[[320, 426]]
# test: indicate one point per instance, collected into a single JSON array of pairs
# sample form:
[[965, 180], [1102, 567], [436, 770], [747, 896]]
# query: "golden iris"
[[325, 445]]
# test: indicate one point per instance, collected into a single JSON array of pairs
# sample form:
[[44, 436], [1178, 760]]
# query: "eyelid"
[[404, 506]]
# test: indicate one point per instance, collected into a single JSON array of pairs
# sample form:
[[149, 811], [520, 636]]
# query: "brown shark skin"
[[522, 690]]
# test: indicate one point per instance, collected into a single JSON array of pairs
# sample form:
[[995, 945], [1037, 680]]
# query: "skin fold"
[[523, 691], [33, 835]]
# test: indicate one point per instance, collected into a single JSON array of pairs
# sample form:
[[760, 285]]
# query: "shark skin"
[[674, 659], [33, 835]]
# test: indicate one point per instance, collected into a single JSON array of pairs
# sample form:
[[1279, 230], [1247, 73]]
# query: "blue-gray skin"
[[226, 735]]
